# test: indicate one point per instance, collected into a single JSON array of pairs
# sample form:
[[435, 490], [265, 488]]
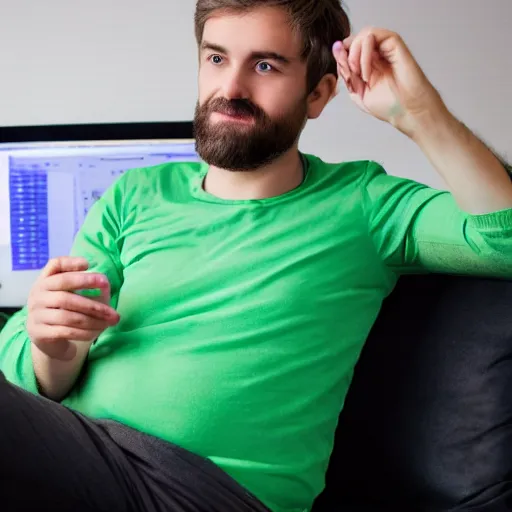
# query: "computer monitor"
[[49, 178]]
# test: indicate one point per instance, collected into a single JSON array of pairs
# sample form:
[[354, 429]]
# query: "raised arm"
[[385, 81]]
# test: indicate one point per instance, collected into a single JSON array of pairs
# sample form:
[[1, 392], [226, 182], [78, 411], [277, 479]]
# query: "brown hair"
[[319, 22]]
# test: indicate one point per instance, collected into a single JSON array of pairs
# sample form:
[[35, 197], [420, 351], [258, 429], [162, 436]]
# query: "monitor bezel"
[[167, 130]]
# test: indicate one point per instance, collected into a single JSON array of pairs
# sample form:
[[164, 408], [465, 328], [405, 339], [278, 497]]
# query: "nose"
[[235, 85]]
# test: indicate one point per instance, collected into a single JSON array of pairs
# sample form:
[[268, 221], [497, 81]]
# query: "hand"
[[384, 79], [57, 316]]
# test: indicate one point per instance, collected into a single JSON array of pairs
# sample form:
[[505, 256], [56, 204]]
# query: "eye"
[[264, 67], [215, 59]]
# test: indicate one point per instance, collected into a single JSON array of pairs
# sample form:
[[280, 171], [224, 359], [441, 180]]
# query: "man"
[[236, 294]]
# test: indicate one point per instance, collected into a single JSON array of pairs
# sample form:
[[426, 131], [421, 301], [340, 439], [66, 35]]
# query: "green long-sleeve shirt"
[[241, 321]]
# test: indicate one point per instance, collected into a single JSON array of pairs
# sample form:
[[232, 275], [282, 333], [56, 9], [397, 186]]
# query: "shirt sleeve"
[[416, 228], [98, 240]]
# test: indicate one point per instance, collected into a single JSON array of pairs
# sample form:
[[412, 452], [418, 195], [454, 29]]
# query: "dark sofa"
[[427, 423]]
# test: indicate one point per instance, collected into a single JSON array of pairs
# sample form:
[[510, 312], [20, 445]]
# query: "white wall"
[[84, 61], [96, 60], [134, 60]]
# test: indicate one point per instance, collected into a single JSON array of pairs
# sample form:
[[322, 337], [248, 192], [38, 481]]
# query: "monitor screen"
[[46, 190]]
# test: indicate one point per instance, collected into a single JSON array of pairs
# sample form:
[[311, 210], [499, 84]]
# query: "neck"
[[277, 178]]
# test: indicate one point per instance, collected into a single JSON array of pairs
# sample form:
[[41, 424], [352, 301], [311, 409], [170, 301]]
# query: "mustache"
[[236, 107]]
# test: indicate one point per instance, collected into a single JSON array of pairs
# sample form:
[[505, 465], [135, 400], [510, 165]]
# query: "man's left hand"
[[384, 79]]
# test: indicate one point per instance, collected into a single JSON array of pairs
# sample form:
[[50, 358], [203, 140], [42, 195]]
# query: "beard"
[[237, 146]]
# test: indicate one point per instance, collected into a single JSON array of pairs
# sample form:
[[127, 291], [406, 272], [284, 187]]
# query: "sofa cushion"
[[427, 423]]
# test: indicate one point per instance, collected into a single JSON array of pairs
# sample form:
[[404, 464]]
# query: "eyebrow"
[[259, 55]]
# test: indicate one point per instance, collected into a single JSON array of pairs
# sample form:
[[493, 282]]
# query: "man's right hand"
[[57, 315]]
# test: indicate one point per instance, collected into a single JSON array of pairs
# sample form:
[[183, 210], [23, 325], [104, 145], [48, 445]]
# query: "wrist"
[[55, 374], [434, 123], [58, 350]]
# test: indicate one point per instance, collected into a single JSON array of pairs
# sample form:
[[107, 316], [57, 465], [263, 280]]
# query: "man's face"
[[252, 89]]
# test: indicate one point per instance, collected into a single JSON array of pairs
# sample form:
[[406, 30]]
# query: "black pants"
[[52, 458]]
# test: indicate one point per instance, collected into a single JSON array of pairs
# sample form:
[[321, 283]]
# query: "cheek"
[[205, 85], [280, 100]]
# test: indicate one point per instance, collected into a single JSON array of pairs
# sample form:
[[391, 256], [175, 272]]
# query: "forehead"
[[260, 29]]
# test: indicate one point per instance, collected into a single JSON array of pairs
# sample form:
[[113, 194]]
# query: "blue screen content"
[[52, 187]]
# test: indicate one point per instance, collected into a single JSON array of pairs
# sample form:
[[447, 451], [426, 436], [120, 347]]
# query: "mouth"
[[237, 118]]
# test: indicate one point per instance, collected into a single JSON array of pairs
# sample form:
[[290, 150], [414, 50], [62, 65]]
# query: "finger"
[[388, 44], [70, 319], [64, 264], [347, 81], [380, 35], [105, 295], [367, 52], [354, 56], [73, 281], [341, 56], [358, 85], [347, 42], [76, 303]]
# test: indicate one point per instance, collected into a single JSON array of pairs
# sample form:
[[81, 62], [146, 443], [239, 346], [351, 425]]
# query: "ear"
[[324, 92]]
